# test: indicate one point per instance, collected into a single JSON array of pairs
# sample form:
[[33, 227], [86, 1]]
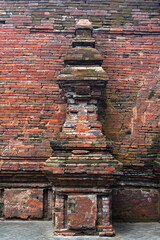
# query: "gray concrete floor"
[[42, 230]]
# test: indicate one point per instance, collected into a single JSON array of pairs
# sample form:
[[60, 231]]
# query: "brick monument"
[[81, 169]]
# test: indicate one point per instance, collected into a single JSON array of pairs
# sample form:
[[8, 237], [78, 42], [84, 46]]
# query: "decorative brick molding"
[[81, 168]]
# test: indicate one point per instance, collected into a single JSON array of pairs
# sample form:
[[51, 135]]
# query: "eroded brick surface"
[[82, 211], [136, 204], [23, 203], [59, 212]]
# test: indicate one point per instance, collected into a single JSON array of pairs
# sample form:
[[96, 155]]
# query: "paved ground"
[[38, 230]]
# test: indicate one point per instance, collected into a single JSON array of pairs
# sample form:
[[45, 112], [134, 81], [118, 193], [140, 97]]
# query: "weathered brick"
[[23, 203], [136, 204], [82, 211]]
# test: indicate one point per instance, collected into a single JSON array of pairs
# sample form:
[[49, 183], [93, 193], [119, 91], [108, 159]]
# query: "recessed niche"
[[2, 21]]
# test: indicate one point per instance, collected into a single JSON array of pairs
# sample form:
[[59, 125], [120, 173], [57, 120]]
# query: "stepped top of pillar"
[[83, 34], [83, 61], [83, 24]]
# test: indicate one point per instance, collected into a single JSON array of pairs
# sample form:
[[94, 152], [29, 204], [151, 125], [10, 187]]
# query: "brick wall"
[[34, 37], [133, 96]]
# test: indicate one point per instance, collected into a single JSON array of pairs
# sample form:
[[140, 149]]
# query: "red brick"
[[23, 203], [82, 211]]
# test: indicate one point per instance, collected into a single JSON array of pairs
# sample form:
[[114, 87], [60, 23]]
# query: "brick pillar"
[[81, 168]]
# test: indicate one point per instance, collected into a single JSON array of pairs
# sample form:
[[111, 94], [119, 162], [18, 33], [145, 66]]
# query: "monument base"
[[79, 211]]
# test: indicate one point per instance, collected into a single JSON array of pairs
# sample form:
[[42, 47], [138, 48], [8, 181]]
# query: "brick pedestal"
[[82, 210]]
